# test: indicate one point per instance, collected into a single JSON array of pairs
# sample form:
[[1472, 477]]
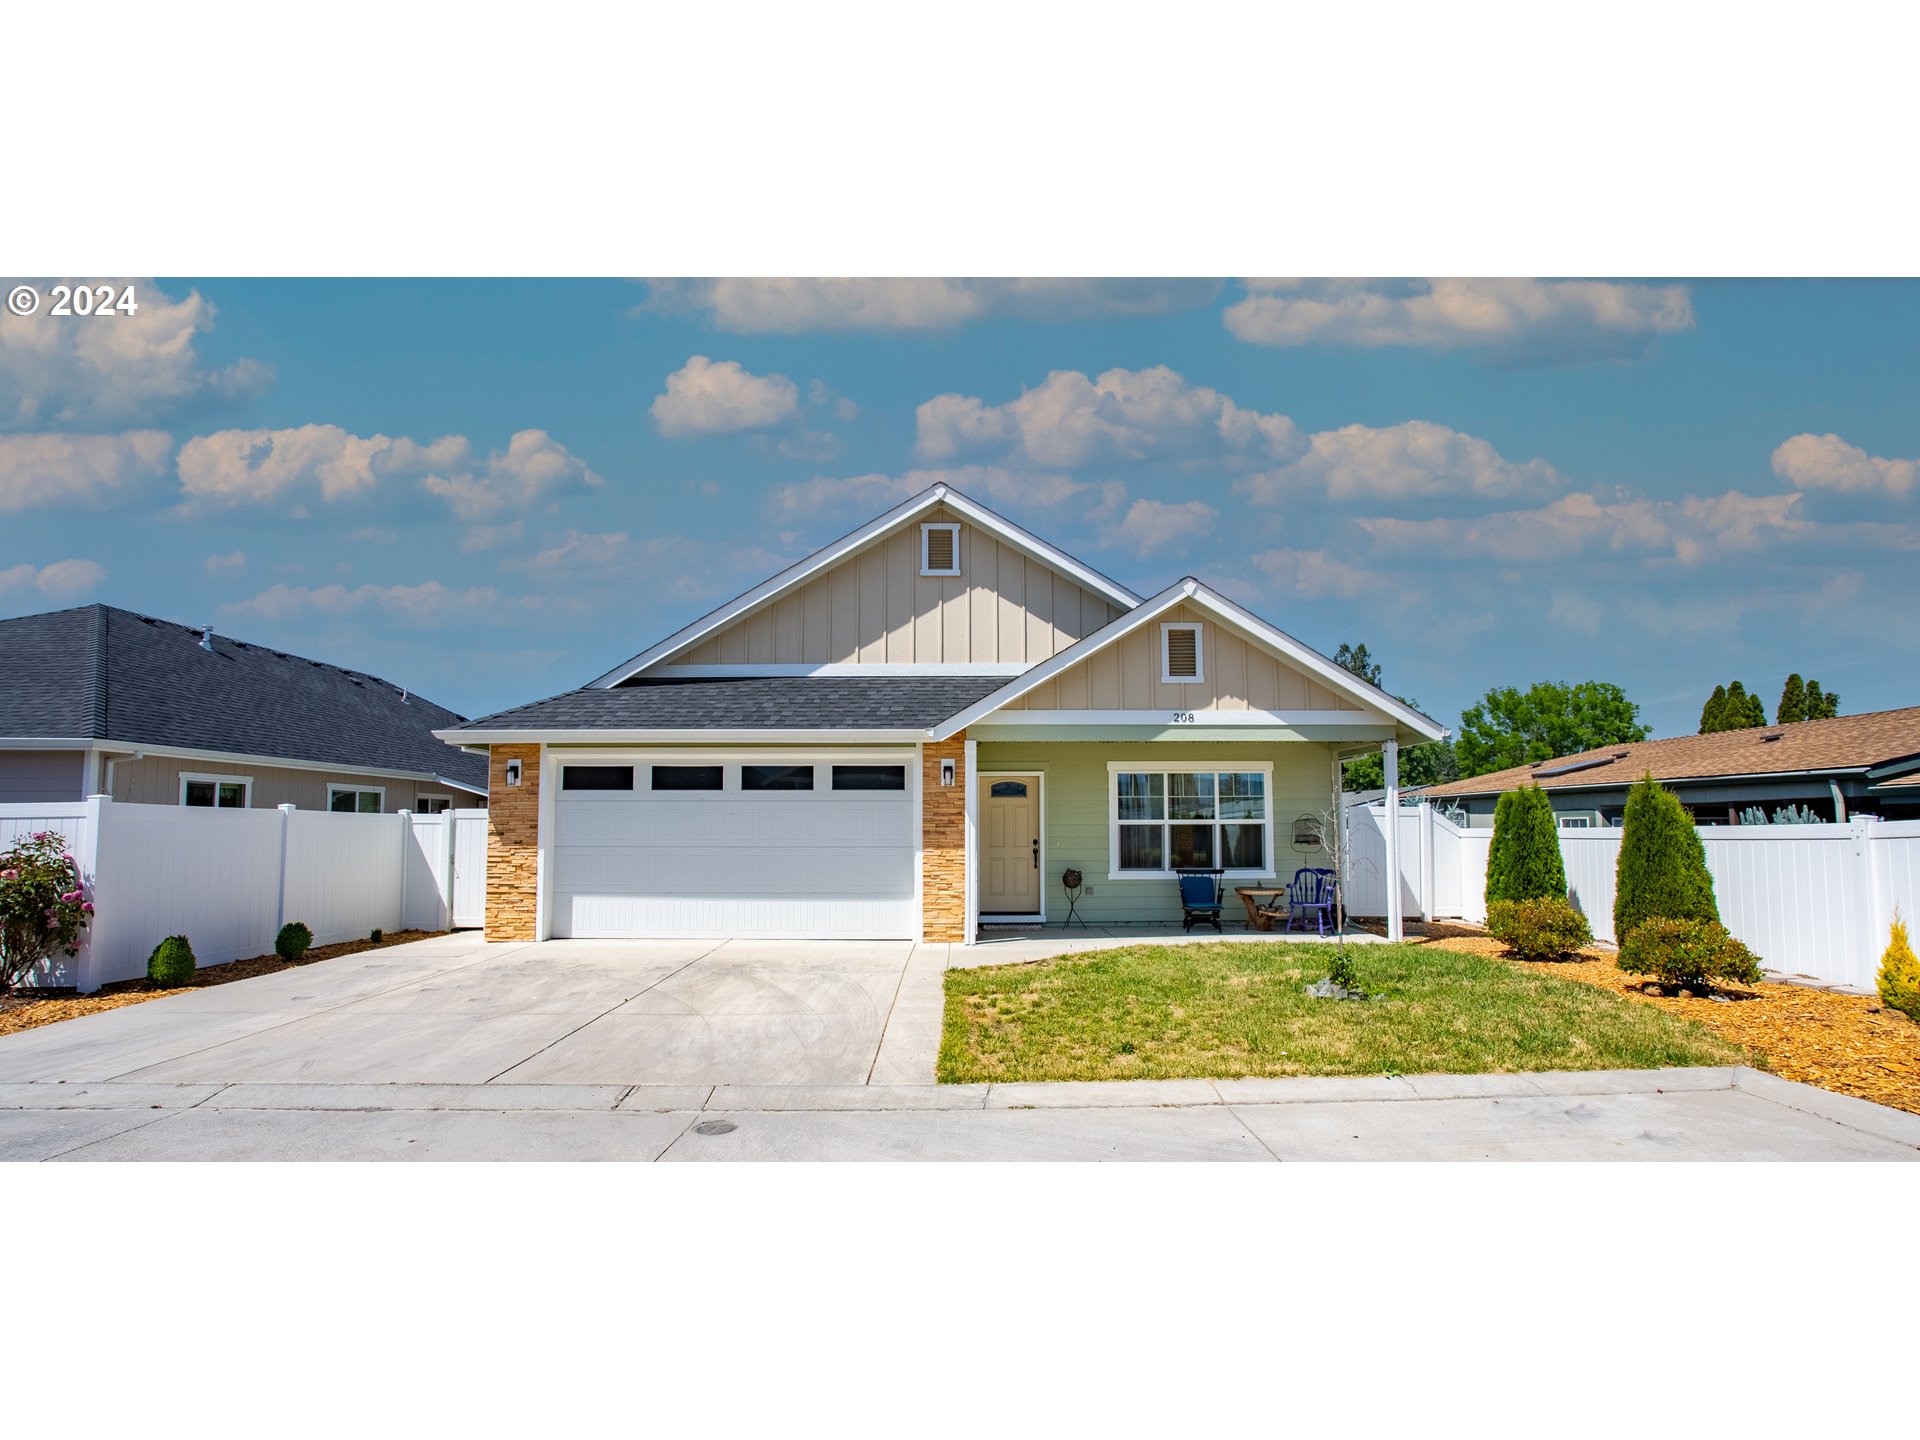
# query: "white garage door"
[[769, 846]]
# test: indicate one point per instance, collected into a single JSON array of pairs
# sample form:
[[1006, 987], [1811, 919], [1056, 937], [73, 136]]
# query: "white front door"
[[1010, 845]]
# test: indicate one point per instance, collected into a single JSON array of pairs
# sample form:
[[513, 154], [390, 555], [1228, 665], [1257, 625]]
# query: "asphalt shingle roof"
[[1846, 742], [812, 702], [101, 673]]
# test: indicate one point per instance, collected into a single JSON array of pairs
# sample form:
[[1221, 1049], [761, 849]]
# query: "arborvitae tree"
[[1662, 870], [1756, 712], [1821, 705], [1710, 712], [1734, 715], [1526, 845], [1793, 701]]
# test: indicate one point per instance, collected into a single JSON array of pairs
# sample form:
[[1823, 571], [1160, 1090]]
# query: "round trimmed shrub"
[[1688, 954], [293, 940], [1662, 870], [172, 964], [377, 936], [1539, 929]]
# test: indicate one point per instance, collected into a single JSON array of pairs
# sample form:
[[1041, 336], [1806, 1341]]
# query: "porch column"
[[1390, 761]]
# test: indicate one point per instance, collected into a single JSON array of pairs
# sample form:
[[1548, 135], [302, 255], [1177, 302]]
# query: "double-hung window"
[[1164, 819], [216, 792], [356, 800]]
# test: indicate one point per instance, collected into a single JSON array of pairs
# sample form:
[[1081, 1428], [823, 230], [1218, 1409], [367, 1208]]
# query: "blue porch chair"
[[1310, 896], [1200, 898]]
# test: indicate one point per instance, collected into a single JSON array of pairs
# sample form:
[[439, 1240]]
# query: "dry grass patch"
[[32, 1008]]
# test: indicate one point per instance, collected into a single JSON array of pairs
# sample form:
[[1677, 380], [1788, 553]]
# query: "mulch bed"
[[1851, 1044], [26, 1009]]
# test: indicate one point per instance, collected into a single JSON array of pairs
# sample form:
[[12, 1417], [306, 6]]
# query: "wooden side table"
[[1263, 905]]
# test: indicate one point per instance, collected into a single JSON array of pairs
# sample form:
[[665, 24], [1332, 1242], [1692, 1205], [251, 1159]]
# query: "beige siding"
[[156, 781], [876, 607], [1239, 674], [40, 777]]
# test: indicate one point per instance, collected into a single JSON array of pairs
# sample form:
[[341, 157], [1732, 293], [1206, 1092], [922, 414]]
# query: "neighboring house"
[[104, 701], [923, 724], [1850, 765]]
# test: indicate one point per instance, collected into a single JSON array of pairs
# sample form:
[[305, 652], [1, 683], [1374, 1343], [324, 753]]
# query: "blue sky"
[[492, 491]]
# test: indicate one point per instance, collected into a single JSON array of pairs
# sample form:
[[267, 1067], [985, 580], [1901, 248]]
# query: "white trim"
[[764, 672], [1040, 774], [927, 527], [688, 737], [421, 797], [1223, 766], [1199, 676], [1344, 719], [1195, 593], [353, 787], [245, 781], [795, 575], [545, 821], [970, 876], [916, 781], [126, 748]]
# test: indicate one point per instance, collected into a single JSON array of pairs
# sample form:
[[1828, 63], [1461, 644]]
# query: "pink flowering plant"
[[43, 906]]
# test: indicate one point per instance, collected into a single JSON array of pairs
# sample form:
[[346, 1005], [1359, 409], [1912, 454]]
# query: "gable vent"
[[1180, 652], [939, 549]]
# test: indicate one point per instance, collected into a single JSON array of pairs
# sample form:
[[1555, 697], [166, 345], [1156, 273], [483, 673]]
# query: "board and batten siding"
[[155, 780], [41, 777], [877, 608], [1074, 790], [1236, 674]]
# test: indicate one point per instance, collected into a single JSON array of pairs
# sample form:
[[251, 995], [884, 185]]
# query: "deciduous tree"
[[1515, 727]]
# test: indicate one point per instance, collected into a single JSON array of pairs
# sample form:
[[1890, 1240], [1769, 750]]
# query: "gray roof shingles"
[[814, 702], [102, 673]]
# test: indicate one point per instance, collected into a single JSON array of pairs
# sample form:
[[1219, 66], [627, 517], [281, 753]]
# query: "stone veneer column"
[[943, 841], [513, 844]]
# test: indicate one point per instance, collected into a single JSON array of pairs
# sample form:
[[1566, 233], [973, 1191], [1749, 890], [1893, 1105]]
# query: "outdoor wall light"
[[513, 772], [946, 772]]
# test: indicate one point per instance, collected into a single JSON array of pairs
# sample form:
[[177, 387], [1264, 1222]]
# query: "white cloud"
[[233, 467], [113, 369], [62, 580], [719, 397], [576, 552], [1416, 458], [1525, 319], [1826, 462], [89, 469], [429, 603], [795, 305], [1070, 419], [1314, 574], [217, 564], [492, 537], [1153, 525]]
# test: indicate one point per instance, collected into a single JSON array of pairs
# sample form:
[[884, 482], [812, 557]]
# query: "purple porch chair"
[[1311, 894]]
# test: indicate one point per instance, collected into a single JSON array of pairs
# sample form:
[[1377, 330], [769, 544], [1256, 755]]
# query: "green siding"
[[1075, 789]]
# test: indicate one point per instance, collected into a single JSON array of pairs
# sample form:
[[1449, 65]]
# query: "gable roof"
[[1846, 742], [1194, 592], [822, 559], [98, 673], [852, 703]]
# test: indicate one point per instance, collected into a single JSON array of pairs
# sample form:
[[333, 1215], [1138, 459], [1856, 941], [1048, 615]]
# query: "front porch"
[[1009, 946]]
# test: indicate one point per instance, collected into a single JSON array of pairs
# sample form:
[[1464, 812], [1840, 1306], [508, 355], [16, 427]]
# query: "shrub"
[[1540, 929], [377, 935], [1662, 870], [1343, 972], [43, 907], [1899, 978], [293, 940], [172, 964], [1523, 862], [1688, 954]]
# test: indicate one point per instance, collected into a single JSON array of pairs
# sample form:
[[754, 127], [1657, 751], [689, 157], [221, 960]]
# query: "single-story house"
[[102, 701], [919, 728], [1849, 765]]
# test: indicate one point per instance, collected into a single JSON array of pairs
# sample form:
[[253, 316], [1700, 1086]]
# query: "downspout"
[[115, 760], [1839, 803]]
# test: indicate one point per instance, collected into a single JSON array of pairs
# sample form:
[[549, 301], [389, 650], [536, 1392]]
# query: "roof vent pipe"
[[206, 638]]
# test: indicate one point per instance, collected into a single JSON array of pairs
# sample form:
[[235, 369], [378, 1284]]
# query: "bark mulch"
[[27, 1009], [1847, 1043]]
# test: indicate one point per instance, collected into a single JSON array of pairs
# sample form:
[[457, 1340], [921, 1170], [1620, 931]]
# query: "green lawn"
[[1167, 1011]]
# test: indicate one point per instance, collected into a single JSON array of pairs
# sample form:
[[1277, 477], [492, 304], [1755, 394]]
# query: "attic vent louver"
[[1180, 653], [939, 549]]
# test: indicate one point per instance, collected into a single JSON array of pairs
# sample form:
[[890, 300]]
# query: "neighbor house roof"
[[1845, 743], [851, 703], [98, 673]]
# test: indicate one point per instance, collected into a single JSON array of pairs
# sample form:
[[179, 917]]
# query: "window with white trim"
[[432, 804], [1165, 818], [1182, 661], [356, 799], [1576, 822], [939, 549], [216, 792]]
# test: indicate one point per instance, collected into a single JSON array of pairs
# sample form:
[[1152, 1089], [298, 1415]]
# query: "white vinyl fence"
[[1815, 900], [228, 879]]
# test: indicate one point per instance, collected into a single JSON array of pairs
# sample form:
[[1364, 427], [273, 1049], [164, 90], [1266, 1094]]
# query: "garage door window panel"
[[870, 777], [596, 777], [763, 779], [689, 777]]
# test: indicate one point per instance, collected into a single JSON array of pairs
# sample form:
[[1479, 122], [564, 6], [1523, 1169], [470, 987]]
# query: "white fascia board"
[[749, 672], [846, 545], [50, 742], [1194, 592], [124, 748], [1201, 719], [684, 737]]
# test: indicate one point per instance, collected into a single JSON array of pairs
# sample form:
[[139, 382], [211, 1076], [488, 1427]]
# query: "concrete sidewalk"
[[1694, 1114]]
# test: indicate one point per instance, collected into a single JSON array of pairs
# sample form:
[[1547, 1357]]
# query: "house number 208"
[[1183, 717]]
